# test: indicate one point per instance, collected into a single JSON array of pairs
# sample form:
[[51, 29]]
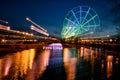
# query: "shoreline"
[[12, 48]]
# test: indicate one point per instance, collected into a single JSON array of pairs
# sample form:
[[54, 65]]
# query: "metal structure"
[[80, 20]]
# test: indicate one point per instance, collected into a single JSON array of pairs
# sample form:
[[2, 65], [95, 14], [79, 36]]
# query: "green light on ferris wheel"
[[80, 20]]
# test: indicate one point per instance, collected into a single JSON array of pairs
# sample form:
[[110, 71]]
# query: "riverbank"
[[115, 47], [11, 48]]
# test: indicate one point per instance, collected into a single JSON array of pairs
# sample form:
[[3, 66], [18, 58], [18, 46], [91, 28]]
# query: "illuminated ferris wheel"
[[80, 20]]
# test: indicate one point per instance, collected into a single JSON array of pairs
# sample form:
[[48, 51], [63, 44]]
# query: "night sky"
[[50, 14]]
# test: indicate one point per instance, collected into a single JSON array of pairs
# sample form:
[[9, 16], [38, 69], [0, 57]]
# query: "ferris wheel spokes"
[[80, 14], [82, 20], [89, 20], [75, 16], [71, 21], [86, 15]]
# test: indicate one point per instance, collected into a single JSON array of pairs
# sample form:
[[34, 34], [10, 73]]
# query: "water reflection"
[[16, 65], [39, 65], [56, 58], [8, 64], [82, 63], [88, 63], [83, 66], [69, 63], [109, 65]]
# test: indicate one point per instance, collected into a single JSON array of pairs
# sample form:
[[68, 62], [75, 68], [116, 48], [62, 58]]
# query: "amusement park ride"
[[79, 21]]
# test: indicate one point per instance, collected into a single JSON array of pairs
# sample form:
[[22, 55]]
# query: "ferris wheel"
[[80, 20]]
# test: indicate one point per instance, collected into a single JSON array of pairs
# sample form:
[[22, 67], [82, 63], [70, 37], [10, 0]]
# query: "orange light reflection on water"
[[69, 64], [109, 65], [16, 64], [8, 62], [39, 65]]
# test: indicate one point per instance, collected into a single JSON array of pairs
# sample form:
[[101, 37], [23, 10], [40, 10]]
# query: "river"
[[77, 63]]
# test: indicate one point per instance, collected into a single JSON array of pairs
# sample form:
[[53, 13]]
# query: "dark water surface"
[[82, 63]]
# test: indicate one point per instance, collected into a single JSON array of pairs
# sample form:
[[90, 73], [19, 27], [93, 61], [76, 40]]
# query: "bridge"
[[16, 39], [74, 32]]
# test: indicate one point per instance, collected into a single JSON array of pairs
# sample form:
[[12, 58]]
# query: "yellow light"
[[3, 40], [110, 40]]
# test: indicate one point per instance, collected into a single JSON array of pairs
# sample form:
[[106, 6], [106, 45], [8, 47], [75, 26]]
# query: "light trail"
[[28, 19], [4, 27], [4, 21], [38, 30]]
